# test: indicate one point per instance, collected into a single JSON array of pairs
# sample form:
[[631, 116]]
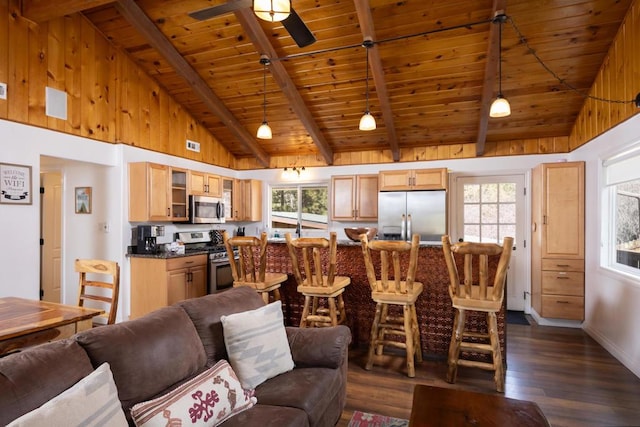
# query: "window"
[[306, 205], [621, 215]]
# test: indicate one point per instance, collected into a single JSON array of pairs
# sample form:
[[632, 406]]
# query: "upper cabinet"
[[413, 179], [242, 199], [157, 193], [354, 198], [205, 184]]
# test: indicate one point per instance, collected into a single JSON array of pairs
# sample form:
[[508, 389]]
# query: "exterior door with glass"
[[489, 208]]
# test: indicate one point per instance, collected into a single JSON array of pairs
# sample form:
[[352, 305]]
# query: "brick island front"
[[435, 313]]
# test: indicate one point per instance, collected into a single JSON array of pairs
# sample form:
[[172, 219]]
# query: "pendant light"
[[367, 121], [264, 131], [272, 10], [500, 106]]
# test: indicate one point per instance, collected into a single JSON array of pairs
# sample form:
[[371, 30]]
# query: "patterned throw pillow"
[[206, 400], [257, 344], [91, 401]]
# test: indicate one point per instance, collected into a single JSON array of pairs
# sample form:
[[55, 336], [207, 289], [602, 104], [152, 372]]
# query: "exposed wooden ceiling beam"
[[45, 10], [136, 17], [368, 33], [490, 70], [256, 34]]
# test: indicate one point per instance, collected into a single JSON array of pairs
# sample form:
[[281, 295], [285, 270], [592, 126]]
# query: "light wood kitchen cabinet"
[[354, 197], [557, 231], [158, 282], [157, 193], [242, 199], [413, 179], [205, 184]]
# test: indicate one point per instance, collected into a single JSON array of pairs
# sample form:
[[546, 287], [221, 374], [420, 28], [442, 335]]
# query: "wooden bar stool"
[[246, 272], [474, 293], [399, 289], [316, 285]]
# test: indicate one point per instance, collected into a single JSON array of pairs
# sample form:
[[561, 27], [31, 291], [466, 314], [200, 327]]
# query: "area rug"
[[365, 419], [516, 318]]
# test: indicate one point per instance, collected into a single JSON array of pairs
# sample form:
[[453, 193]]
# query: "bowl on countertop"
[[354, 233]]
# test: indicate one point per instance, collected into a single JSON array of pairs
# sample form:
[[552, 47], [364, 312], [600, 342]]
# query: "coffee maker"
[[146, 239]]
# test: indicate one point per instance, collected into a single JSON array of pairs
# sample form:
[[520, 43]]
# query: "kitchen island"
[[435, 313]]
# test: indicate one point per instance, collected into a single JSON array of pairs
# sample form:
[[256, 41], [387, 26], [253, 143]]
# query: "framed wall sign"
[[15, 184], [83, 200]]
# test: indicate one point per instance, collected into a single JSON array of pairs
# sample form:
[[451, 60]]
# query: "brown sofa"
[[155, 353]]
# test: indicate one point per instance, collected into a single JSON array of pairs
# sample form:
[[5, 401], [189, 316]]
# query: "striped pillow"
[[257, 344], [92, 401], [206, 400]]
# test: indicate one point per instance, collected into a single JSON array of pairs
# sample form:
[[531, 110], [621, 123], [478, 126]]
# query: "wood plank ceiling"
[[433, 68]]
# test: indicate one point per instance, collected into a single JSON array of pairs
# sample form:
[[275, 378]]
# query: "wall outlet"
[[3, 91], [193, 146]]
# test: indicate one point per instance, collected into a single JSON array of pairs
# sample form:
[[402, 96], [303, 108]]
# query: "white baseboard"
[[630, 363]]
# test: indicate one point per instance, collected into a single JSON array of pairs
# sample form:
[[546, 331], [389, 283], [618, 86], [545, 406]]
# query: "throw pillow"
[[208, 399], [257, 344], [91, 401]]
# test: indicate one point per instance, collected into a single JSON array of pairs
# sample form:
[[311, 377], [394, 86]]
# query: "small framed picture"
[[15, 184], [83, 200]]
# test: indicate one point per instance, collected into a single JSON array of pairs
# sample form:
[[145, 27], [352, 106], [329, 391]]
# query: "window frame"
[[608, 211], [299, 187]]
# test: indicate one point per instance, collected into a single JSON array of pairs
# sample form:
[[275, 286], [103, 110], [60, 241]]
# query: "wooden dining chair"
[[394, 286], [476, 292], [100, 289], [248, 272], [317, 281]]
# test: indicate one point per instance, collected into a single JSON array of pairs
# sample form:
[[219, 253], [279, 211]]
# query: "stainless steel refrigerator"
[[403, 213]]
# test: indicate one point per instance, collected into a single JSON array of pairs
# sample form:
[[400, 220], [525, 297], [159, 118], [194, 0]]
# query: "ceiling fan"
[[293, 24]]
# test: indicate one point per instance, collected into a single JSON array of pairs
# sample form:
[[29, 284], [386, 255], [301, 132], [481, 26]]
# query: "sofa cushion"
[[205, 313], [91, 401], [147, 355], [33, 376], [269, 416], [311, 389], [206, 400], [257, 344]]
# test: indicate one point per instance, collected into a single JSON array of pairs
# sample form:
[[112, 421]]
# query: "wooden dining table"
[[25, 322]]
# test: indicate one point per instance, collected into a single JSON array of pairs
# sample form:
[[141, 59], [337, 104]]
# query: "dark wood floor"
[[572, 378]]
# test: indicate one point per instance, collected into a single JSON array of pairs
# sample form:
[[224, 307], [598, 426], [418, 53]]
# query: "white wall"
[[612, 300]]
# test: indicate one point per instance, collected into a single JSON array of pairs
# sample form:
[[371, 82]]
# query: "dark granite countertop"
[[167, 255]]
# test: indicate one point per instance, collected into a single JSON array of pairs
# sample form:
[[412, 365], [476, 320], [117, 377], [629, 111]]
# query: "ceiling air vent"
[[193, 146]]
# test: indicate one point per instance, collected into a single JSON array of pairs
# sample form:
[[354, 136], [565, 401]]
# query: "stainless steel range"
[[220, 276]]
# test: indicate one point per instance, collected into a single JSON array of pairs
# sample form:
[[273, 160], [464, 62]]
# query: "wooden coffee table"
[[25, 322], [436, 406]]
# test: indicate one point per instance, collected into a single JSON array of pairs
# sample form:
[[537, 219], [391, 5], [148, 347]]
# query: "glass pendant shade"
[[367, 121], [500, 107], [272, 10], [264, 131]]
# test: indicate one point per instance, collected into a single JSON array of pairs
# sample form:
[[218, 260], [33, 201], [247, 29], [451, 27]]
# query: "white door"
[[489, 208], [51, 232]]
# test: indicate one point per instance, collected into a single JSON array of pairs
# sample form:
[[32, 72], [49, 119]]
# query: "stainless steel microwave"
[[206, 210]]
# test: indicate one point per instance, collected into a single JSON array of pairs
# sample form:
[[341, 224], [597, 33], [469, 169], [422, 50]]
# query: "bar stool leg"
[[454, 346], [408, 337], [416, 333], [305, 311], [499, 374], [374, 336]]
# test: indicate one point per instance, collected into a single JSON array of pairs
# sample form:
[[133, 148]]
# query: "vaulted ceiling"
[[433, 68]]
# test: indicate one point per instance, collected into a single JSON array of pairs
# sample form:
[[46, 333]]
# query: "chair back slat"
[[103, 289], [477, 254], [312, 249], [392, 278]]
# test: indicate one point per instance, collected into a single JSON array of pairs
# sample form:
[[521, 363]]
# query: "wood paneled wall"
[[444, 152], [109, 97], [618, 79]]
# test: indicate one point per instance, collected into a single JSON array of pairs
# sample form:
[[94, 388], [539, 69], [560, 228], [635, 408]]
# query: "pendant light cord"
[[500, 21], [264, 60], [367, 81]]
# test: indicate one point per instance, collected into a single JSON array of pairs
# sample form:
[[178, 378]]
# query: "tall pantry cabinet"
[[557, 230]]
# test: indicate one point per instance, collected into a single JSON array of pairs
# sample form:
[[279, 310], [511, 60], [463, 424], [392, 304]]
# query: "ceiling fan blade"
[[210, 12], [298, 30]]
